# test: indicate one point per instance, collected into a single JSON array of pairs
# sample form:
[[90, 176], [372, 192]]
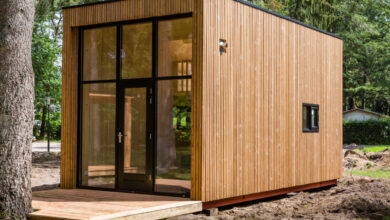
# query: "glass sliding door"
[[173, 162]]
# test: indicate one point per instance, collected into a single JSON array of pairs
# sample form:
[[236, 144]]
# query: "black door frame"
[[125, 82], [135, 182]]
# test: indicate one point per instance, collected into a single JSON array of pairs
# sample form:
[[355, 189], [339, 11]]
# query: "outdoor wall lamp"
[[223, 46]]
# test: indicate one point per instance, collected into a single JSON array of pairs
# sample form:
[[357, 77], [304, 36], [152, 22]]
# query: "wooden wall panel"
[[252, 137], [197, 97], [126, 10], [69, 105]]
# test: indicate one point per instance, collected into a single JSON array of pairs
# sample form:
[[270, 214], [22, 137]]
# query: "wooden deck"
[[99, 205]]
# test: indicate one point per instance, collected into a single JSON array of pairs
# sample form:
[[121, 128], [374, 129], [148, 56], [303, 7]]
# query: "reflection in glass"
[[306, 122], [135, 130], [314, 117], [98, 135], [174, 137], [137, 51], [99, 54], [175, 47]]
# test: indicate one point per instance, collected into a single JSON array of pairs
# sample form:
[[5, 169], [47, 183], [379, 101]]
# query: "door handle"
[[120, 135]]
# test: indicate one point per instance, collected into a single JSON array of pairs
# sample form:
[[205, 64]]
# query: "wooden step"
[[101, 205]]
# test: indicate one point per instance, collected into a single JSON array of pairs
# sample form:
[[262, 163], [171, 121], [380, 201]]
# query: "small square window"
[[310, 118]]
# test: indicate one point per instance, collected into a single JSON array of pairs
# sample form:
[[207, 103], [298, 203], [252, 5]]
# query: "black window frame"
[[310, 128], [118, 81]]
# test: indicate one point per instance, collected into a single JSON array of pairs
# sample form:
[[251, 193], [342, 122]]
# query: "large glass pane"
[[174, 136], [175, 47], [99, 54], [137, 51], [98, 135], [135, 130]]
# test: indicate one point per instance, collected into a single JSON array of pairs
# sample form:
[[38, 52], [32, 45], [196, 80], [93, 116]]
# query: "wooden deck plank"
[[93, 204]]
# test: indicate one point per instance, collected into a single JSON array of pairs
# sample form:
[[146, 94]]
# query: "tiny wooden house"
[[218, 100]]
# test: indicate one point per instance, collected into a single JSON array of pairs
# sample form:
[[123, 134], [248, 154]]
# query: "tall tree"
[[365, 27], [278, 6], [320, 13], [46, 54], [16, 107]]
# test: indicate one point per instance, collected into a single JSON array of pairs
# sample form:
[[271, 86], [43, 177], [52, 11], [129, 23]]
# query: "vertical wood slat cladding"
[[69, 105], [100, 14], [126, 10], [252, 137], [197, 97]]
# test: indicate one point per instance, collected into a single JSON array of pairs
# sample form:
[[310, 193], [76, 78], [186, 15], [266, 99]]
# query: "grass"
[[180, 174], [51, 140], [375, 149], [383, 174]]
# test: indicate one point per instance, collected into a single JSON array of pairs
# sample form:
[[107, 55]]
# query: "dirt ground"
[[353, 197], [46, 171], [353, 160]]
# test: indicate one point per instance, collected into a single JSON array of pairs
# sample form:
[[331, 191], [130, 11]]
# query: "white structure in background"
[[361, 115]]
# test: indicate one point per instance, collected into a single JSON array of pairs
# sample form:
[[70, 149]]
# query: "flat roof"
[[241, 1], [365, 111]]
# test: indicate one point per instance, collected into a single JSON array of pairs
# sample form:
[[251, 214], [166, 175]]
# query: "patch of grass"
[[51, 140], [384, 174], [375, 149], [180, 174]]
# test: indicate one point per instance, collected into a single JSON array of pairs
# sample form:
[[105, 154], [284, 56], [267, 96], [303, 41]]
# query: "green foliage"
[[46, 54], [375, 149], [46, 58], [46, 64], [278, 6], [320, 13], [182, 118], [367, 132], [384, 174], [179, 174], [365, 26]]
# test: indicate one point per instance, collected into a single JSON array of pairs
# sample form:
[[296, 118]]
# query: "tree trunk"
[[43, 123], [16, 107], [364, 91]]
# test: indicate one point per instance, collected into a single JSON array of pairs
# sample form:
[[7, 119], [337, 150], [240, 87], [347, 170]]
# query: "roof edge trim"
[[92, 3], [240, 1]]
